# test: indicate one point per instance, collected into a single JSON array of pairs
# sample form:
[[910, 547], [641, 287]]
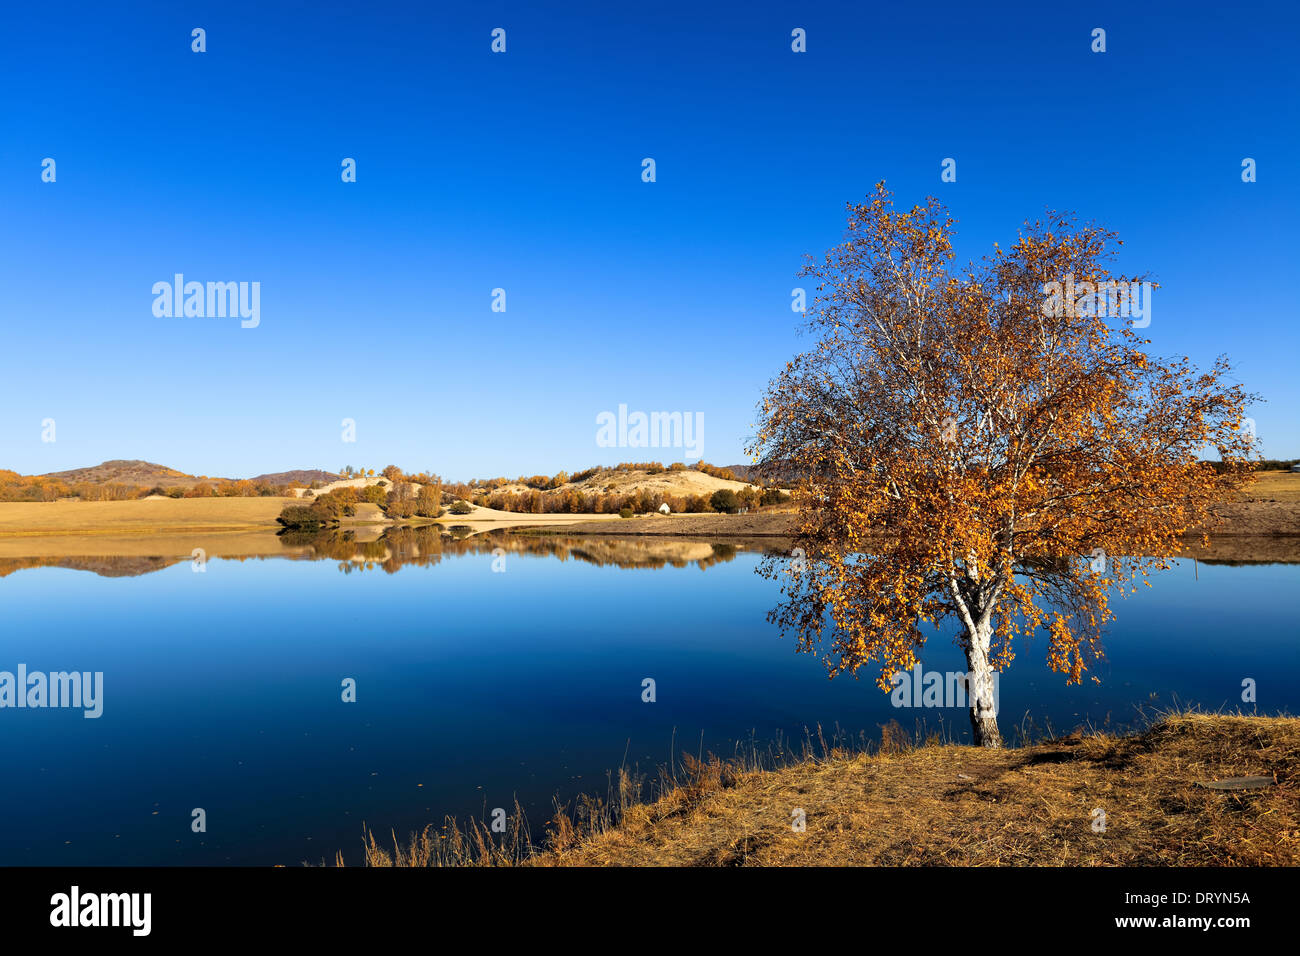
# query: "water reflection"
[[426, 545], [479, 688], [384, 548]]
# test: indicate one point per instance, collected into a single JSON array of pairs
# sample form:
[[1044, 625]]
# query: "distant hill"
[[125, 472], [301, 476], [145, 474], [622, 481]]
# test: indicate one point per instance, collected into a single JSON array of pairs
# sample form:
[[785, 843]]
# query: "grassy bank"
[[933, 804]]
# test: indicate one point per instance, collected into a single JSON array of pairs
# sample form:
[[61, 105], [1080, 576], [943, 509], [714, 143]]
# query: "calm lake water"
[[222, 688]]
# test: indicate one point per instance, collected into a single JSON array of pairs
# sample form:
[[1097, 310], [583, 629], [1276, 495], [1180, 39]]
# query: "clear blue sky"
[[523, 171]]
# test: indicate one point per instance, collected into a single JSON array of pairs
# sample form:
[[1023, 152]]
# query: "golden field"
[[139, 516]]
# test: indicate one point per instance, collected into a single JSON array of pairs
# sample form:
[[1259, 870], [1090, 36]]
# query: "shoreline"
[[911, 804], [1248, 531], [1189, 789]]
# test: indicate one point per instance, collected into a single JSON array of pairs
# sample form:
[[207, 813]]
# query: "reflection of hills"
[[387, 548], [427, 544], [106, 566]]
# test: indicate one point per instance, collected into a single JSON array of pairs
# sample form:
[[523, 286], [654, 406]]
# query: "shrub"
[[339, 503], [461, 508], [428, 501], [396, 507], [724, 499], [625, 512], [400, 502], [303, 517]]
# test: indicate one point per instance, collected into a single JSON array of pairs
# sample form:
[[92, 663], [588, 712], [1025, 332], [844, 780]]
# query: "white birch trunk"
[[979, 689]]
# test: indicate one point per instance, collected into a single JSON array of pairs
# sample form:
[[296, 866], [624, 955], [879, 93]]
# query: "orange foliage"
[[965, 455]]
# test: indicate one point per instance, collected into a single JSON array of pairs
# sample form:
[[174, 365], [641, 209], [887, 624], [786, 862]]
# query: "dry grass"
[[952, 805], [19, 518], [1275, 486], [929, 803], [453, 845]]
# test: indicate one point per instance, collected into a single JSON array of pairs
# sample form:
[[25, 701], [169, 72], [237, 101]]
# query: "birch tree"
[[969, 448]]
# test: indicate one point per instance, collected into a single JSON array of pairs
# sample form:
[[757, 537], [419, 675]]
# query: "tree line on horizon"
[[400, 496], [16, 487]]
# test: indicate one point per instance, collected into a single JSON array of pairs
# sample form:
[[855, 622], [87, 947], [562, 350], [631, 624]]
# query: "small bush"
[[303, 517], [339, 503], [724, 499], [625, 512], [461, 508]]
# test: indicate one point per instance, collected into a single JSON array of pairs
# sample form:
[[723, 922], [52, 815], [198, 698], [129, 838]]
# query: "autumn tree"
[[400, 501], [428, 500], [971, 447], [726, 500], [336, 504]]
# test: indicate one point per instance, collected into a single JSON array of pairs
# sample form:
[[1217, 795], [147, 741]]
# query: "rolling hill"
[[680, 483], [144, 474], [126, 472], [301, 475]]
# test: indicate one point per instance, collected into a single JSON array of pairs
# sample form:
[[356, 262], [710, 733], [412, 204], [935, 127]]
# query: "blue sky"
[[522, 171]]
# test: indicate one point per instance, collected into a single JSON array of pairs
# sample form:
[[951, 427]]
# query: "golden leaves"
[[969, 455]]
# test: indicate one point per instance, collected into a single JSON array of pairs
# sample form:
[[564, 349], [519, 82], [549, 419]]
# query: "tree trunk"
[[979, 689]]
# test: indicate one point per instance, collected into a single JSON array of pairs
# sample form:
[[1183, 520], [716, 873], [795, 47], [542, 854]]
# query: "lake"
[[222, 690]]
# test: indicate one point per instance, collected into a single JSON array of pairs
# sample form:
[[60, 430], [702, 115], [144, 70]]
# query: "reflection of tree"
[[427, 544]]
